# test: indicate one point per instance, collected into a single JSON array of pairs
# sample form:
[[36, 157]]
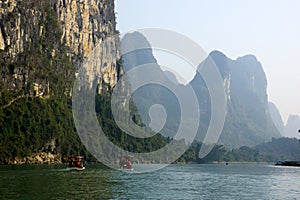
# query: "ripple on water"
[[173, 182]]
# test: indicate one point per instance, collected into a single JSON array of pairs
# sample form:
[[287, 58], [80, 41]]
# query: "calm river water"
[[174, 182]]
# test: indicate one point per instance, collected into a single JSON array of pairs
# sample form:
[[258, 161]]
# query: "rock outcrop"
[[37, 158]]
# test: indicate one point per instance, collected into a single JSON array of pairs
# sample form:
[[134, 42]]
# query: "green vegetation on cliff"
[[30, 123]]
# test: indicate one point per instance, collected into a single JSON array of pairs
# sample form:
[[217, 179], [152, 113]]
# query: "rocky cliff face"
[[248, 121], [56, 30], [42, 45]]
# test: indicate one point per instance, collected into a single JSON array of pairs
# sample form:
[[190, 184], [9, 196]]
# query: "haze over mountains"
[[248, 121], [290, 129]]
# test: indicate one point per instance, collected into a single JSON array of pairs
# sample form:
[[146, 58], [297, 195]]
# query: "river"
[[217, 181]]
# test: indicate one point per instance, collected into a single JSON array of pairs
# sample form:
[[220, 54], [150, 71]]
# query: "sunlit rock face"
[[56, 29]]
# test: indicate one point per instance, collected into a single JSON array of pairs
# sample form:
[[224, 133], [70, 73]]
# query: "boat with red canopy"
[[76, 163], [126, 162]]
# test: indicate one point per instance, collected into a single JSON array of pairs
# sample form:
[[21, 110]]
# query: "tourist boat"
[[288, 163], [126, 163], [76, 163]]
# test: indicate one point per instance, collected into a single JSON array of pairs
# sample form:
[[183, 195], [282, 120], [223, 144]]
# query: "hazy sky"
[[268, 29]]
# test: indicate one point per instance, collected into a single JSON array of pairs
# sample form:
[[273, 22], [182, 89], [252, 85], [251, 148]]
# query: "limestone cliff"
[[37, 35], [42, 45], [248, 121]]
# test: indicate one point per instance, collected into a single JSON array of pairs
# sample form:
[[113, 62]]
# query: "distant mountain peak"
[[248, 58], [292, 126], [136, 50], [217, 53], [134, 40]]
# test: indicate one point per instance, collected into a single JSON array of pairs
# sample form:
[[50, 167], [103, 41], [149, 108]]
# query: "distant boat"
[[126, 163], [76, 163], [288, 163]]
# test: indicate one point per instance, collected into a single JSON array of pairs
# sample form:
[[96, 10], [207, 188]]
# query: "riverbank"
[[49, 158], [254, 163]]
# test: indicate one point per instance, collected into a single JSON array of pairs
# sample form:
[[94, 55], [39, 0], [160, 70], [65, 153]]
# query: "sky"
[[268, 29]]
